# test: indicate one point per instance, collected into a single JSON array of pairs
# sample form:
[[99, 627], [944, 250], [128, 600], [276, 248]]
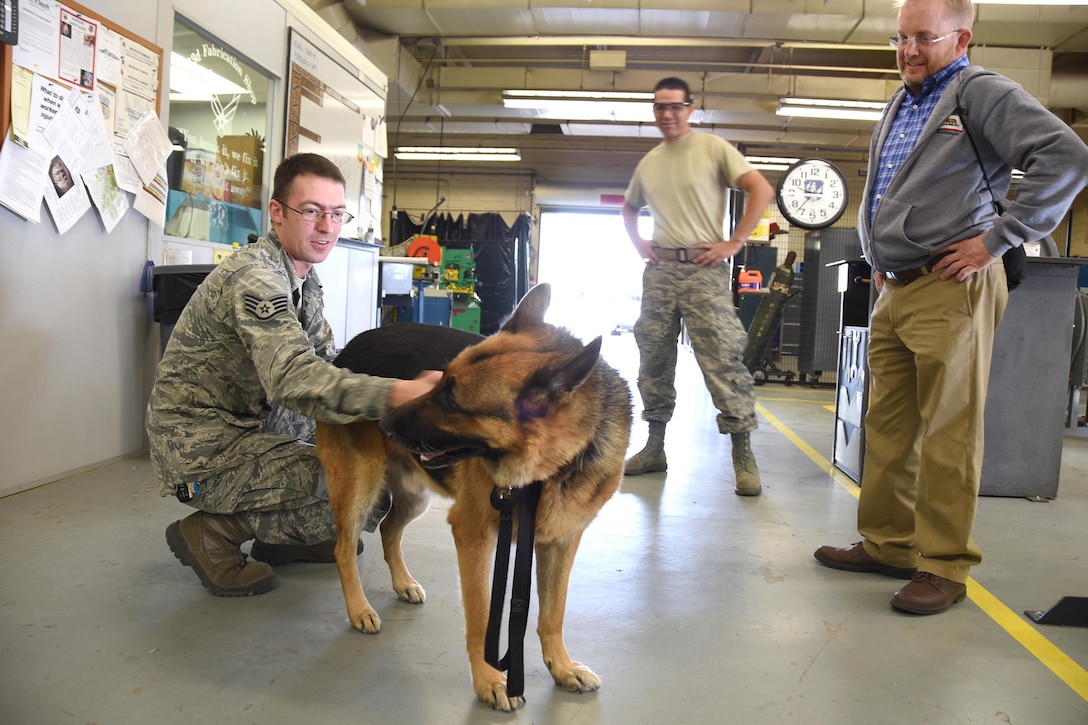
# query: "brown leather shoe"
[[928, 593], [856, 558]]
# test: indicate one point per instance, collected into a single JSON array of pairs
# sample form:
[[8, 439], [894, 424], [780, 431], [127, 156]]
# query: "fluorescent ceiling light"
[[771, 163], [583, 105], [454, 153], [191, 81], [1031, 2], [830, 108], [583, 95]]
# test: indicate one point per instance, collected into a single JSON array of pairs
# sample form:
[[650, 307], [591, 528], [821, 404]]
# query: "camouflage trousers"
[[283, 494], [675, 291]]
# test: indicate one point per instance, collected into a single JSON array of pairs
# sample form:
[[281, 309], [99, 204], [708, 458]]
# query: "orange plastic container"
[[750, 279]]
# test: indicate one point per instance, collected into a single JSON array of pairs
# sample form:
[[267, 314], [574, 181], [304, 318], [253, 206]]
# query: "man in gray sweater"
[[932, 229]]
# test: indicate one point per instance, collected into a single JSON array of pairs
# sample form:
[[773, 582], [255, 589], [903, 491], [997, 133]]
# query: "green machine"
[[459, 280]]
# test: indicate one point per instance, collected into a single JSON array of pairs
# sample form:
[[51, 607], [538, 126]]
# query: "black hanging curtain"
[[501, 253]]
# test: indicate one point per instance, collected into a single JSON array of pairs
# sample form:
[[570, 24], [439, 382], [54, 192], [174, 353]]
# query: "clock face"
[[812, 194]]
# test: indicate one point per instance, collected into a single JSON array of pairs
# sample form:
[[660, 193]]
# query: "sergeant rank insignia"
[[266, 309]]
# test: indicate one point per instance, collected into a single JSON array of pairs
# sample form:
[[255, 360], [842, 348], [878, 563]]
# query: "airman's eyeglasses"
[[313, 216], [673, 107], [923, 41]]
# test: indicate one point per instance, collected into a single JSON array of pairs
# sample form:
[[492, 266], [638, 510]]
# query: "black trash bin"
[[172, 286]]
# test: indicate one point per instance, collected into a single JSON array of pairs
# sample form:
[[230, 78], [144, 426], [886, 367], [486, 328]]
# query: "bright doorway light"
[[595, 273]]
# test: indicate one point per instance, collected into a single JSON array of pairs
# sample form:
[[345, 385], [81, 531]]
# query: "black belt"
[[907, 276], [685, 254]]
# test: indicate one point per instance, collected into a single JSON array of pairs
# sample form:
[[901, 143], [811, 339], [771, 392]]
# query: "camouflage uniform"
[[243, 378], [699, 295], [684, 185]]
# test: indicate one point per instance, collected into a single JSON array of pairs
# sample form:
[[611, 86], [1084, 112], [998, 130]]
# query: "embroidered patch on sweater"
[[265, 310], [952, 124]]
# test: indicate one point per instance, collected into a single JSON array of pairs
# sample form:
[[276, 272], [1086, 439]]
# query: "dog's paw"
[[574, 677], [367, 621], [490, 686], [412, 592], [497, 698]]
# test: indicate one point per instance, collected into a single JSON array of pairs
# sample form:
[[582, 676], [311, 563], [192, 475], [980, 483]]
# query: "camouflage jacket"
[[238, 348]]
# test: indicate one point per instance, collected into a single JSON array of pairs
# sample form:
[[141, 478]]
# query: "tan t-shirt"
[[684, 185]]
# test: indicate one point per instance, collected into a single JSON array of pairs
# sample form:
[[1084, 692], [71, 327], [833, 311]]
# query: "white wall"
[[77, 343], [73, 332]]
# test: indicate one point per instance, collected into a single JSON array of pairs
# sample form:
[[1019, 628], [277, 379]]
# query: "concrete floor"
[[694, 606]]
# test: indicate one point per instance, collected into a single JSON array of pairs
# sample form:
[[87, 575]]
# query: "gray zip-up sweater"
[[939, 195]]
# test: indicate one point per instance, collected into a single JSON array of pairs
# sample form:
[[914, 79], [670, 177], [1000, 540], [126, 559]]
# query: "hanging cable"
[[396, 133]]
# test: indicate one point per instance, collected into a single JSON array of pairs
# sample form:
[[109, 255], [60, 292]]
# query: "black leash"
[[513, 662]]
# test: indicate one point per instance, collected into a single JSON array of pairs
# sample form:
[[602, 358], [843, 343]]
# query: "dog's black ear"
[[531, 309], [551, 383]]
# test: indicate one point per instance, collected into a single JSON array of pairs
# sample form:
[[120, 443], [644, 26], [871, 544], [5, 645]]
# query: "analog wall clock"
[[812, 194]]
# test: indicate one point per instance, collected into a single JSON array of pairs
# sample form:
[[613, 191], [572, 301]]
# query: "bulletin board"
[[83, 43], [333, 112], [79, 103]]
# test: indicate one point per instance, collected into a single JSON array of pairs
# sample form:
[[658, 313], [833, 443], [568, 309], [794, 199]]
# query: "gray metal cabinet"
[[1027, 394], [1029, 383]]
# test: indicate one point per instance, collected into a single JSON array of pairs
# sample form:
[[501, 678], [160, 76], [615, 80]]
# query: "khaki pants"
[[930, 347]]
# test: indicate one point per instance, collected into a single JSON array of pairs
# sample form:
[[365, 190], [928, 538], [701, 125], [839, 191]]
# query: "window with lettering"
[[219, 122]]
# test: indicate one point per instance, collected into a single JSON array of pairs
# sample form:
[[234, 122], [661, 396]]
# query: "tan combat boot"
[[744, 466], [651, 459], [209, 544]]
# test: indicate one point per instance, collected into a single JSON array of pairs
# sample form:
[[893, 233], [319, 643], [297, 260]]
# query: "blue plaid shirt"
[[910, 120]]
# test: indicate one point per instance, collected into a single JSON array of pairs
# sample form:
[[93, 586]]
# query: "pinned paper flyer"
[[65, 195], [148, 146], [151, 198], [22, 178], [108, 198]]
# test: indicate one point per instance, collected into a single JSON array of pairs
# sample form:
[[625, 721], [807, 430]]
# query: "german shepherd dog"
[[529, 403]]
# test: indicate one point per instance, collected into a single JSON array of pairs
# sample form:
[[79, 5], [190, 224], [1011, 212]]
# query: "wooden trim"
[[5, 92]]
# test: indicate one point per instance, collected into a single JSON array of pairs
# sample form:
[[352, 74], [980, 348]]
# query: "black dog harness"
[[513, 662]]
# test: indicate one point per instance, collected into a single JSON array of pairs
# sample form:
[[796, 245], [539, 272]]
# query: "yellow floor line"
[[1023, 632], [1061, 664]]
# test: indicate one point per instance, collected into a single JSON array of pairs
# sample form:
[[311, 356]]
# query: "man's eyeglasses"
[[923, 41], [673, 107], [313, 216]]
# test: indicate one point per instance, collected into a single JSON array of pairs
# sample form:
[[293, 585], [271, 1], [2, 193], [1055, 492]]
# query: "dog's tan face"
[[505, 401]]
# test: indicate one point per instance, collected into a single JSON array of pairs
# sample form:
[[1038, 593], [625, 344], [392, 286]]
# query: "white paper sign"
[[75, 131], [46, 100], [39, 28], [108, 198], [148, 146], [22, 178], [65, 195], [151, 199], [108, 62]]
